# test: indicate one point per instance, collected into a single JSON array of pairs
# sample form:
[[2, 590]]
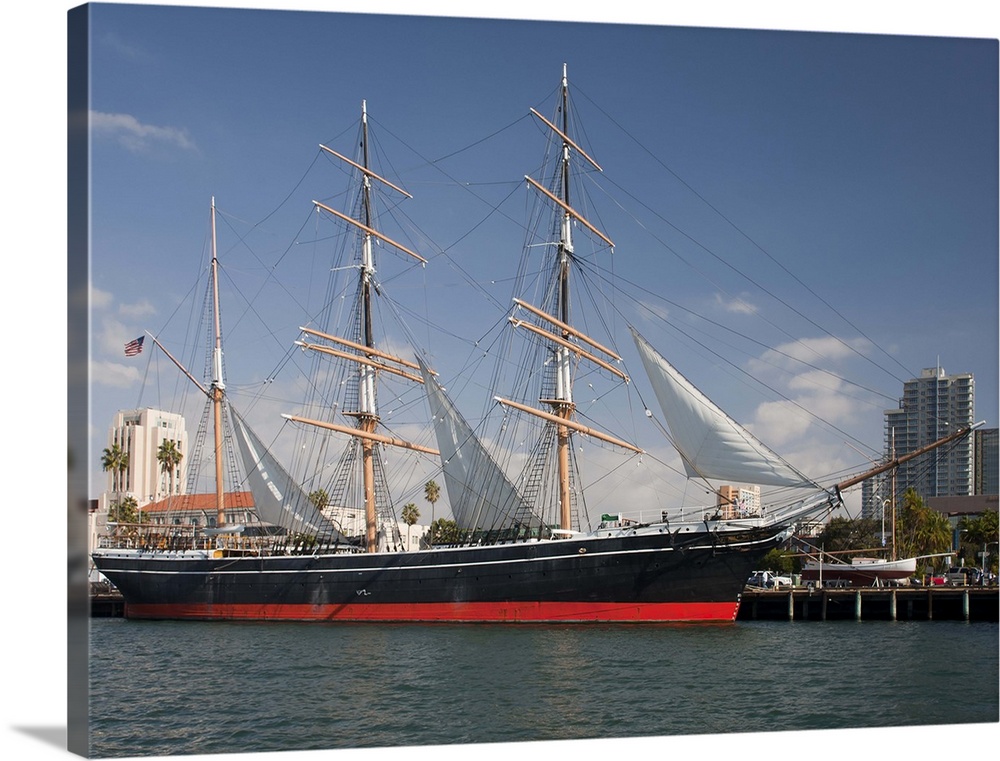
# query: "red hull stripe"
[[480, 612]]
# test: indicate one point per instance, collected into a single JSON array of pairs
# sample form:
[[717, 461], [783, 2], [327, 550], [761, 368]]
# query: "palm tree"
[[115, 460], [320, 499], [123, 511], [431, 493], [924, 531], [410, 515], [169, 457]]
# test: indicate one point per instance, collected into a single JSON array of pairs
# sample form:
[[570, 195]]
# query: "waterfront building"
[[932, 406], [738, 501], [139, 433], [199, 510]]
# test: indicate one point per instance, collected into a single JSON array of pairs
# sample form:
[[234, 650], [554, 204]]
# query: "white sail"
[[278, 500], [712, 444], [479, 492]]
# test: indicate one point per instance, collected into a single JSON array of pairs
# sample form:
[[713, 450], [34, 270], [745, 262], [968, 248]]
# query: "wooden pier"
[[871, 604], [106, 602]]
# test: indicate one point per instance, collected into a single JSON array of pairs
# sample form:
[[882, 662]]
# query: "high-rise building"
[[932, 406], [986, 454], [139, 434]]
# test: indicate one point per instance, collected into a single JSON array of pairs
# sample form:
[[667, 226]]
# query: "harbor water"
[[167, 688]]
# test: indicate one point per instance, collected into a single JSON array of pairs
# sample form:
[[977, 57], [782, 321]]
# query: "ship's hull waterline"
[[641, 578]]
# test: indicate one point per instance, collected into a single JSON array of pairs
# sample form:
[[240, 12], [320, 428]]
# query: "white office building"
[[139, 433]]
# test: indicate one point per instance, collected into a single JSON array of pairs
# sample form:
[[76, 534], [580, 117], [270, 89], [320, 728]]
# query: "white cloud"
[[650, 310], [100, 299], [818, 405], [809, 350], [114, 374], [815, 381], [778, 423], [736, 305], [138, 309], [109, 334], [136, 136]]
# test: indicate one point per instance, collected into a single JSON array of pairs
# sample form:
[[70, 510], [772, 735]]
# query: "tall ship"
[[521, 547]]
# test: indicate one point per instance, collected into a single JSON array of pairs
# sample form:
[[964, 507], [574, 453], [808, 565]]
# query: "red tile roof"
[[199, 503]]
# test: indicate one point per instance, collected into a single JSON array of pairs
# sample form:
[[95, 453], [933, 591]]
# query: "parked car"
[[930, 581], [963, 576], [769, 580]]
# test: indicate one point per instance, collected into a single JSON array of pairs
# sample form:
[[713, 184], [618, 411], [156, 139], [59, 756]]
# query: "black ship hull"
[[655, 576]]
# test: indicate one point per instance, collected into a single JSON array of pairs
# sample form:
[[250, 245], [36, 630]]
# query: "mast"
[[216, 390], [361, 349], [563, 403], [367, 415], [557, 328], [892, 488], [218, 385]]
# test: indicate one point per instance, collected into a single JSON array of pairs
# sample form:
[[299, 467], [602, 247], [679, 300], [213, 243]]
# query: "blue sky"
[[831, 196], [852, 162]]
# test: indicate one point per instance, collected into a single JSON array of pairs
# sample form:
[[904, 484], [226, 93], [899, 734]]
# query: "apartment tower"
[[932, 406]]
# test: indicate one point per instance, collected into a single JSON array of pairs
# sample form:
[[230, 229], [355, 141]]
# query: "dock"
[[871, 604], [106, 602]]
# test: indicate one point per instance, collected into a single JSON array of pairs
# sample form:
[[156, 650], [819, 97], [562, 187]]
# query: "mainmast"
[[368, 359], [557, 328]]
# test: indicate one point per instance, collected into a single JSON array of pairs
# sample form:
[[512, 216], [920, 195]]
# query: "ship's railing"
[[717, 513], [157, 536]]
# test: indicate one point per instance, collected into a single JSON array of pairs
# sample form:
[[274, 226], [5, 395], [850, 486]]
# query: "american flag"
[[134, 347]]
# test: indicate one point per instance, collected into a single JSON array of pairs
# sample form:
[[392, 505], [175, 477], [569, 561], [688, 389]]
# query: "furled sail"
[[479, 492], [712, 444], [277, 498]]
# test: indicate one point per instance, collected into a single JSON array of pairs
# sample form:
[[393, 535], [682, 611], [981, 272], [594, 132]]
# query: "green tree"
[[115, 460], [921, 530], [444, 531], [124, 511], [779, 561], [169, 456], [980, 534], [410, 514], [843, 534], [431, 493], [320, 499]]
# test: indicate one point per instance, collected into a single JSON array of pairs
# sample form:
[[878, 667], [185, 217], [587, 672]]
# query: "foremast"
[[368, 359], [216, 391], [218, 387], [557, 328]]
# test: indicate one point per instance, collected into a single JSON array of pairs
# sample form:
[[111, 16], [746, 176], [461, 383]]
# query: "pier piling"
[[871, 604]]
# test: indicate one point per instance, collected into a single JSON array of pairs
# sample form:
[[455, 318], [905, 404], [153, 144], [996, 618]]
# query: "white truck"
[[962, 576], [769, 580]]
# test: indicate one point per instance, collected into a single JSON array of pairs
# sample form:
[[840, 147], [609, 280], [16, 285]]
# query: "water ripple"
[[166, 688]]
